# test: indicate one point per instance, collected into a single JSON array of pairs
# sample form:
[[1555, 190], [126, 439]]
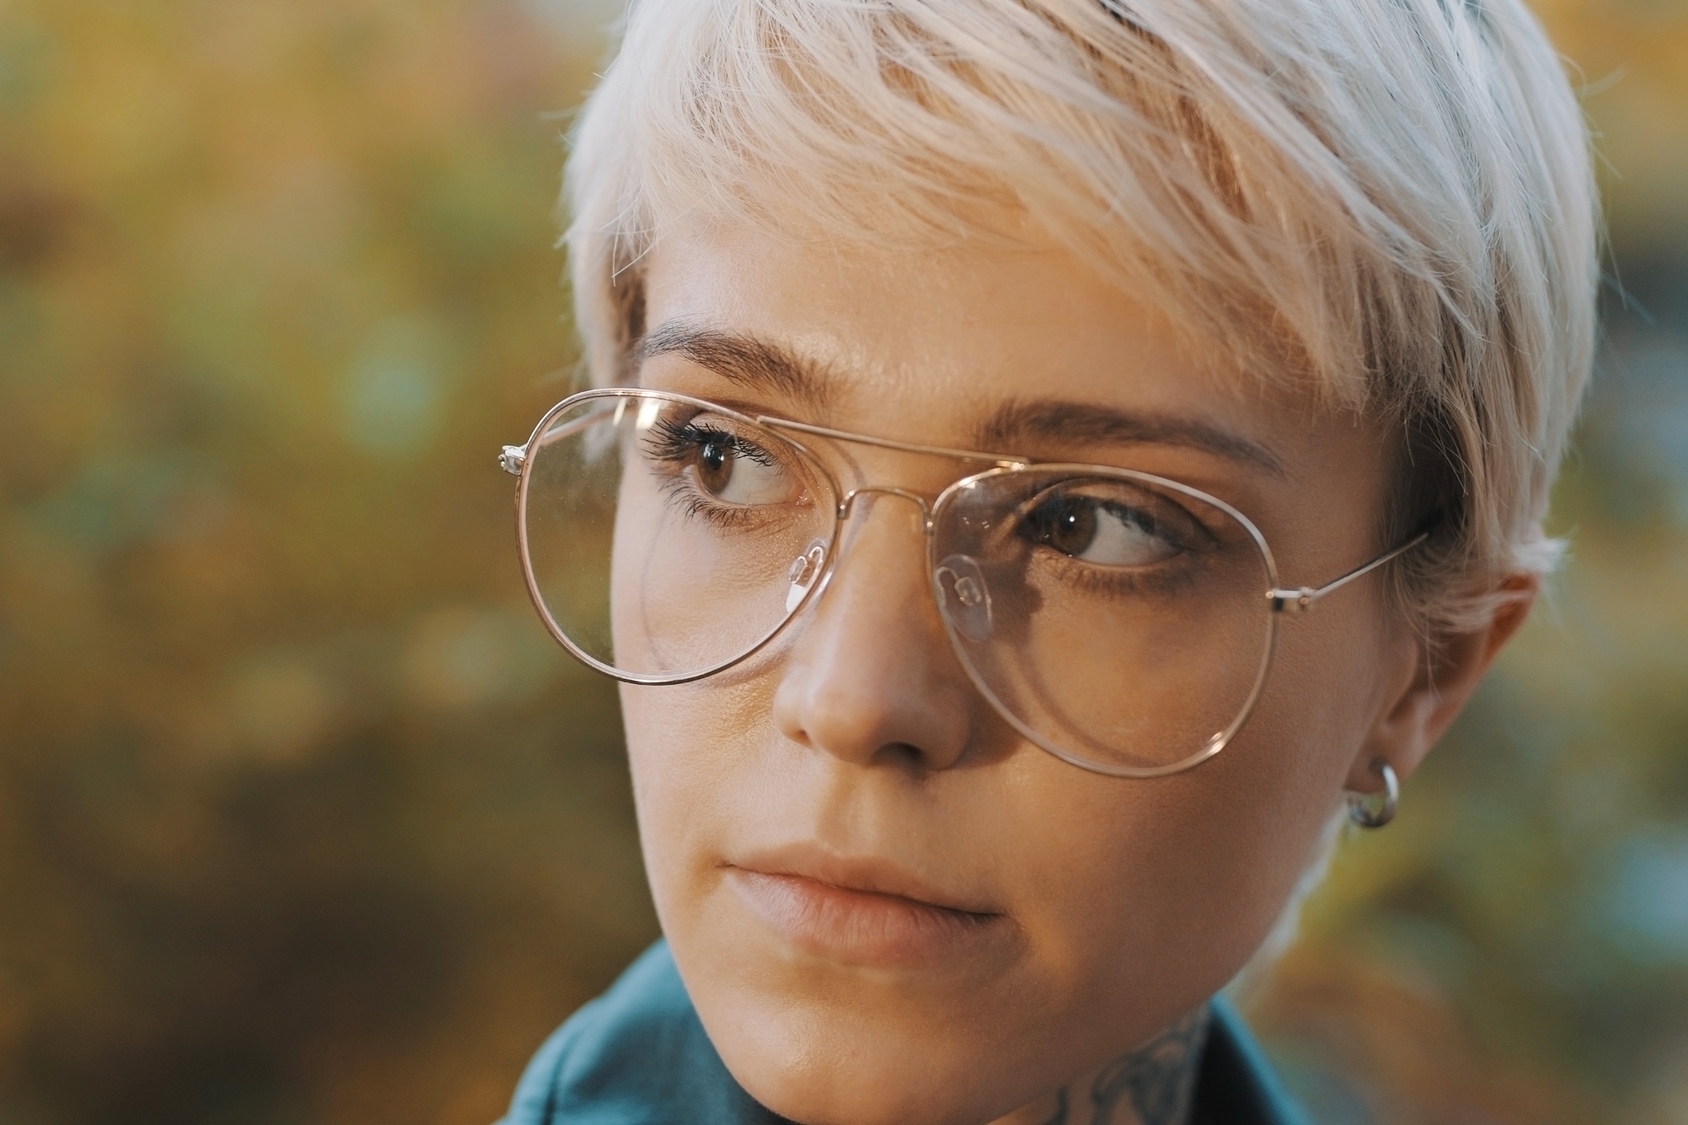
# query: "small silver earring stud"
[[1374, 810]]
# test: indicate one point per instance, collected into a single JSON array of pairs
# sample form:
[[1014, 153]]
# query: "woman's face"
[[887, 905]]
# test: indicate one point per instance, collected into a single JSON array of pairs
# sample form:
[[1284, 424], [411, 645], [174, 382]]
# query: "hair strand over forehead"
[[1391, 199]]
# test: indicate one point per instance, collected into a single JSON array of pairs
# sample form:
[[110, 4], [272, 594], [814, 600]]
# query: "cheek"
[[1148, 895], [1194, 869], [690, 750], [1326, 691], [1262, 809]]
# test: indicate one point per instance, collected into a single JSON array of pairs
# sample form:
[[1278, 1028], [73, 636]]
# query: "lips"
[[858, 910]]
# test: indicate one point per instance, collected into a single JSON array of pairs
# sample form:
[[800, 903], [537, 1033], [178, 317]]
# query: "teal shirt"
[[637, 1055]]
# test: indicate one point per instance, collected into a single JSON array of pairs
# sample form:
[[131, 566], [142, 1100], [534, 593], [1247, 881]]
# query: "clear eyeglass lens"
[[665, 539], [1115, 620]]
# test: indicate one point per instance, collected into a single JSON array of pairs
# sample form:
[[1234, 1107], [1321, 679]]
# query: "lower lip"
[[856, 926]]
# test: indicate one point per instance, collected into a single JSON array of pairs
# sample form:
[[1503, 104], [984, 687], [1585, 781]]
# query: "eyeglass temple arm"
[[1302, 599]]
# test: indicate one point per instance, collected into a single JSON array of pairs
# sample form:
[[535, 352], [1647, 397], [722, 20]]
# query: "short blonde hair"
[[1390, 198]]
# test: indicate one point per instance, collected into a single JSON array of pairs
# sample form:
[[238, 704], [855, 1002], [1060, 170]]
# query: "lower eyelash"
[[685, 496], [1158, 578]]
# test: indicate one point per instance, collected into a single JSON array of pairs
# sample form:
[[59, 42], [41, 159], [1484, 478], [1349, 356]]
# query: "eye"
[[1098, 532], [734, 472]]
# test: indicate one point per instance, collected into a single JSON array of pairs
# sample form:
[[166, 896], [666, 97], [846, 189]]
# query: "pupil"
[[715, 467], [1070, 527]]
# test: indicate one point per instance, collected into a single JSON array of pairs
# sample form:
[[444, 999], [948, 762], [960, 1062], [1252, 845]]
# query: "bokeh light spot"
[[396, 388]]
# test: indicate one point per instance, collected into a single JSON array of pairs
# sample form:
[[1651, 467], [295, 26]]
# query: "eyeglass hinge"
[[510, 459], [1292, 601]]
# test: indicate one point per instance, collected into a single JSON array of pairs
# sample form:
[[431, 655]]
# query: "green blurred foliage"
[[301, 816], [302, 819]]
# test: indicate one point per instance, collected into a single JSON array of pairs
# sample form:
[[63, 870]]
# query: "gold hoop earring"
[[1366, 810]]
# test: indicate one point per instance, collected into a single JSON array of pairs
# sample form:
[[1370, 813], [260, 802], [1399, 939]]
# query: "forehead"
[[935, 344], [971, 316]]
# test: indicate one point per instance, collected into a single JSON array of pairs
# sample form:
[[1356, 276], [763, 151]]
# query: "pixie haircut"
[[1387, 201]]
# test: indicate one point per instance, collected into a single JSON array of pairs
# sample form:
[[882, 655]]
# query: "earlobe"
[[1444, 672]]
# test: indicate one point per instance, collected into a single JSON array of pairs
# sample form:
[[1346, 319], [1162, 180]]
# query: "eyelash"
[[671, 441], [674, 442], [1160, 578]]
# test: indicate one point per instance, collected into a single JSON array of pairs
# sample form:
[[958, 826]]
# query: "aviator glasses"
[[1122, 621]]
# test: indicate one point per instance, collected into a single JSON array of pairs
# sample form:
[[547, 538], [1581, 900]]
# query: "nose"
[[871, 678]]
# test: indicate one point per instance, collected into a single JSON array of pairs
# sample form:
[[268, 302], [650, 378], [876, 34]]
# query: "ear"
[[1436, 686]]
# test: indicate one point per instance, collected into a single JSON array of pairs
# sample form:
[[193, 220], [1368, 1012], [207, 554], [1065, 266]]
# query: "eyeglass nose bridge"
[[811, 572], [847, 505]]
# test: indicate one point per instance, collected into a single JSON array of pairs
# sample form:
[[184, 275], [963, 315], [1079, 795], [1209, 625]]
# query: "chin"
[[821, 1043], [837, 1068]]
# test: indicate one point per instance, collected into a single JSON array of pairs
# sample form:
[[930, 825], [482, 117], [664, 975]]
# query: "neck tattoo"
[[1153, 1085]]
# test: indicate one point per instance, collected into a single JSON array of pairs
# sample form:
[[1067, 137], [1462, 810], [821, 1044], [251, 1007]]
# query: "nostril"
[[965, 598]]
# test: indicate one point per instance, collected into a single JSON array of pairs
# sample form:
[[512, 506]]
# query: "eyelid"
[[1141, 500], [1151, 519], [676, 431], [678, 438]]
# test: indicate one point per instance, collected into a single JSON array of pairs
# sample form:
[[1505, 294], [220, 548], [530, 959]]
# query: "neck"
[[1153, 1085]]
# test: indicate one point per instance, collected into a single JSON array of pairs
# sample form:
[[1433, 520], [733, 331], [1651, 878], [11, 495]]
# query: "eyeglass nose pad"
[[805, 568], [966, 600]]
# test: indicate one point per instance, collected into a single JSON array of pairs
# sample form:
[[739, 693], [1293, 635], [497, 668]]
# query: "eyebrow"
[[758, 364], [1050, 420], [740, 359]]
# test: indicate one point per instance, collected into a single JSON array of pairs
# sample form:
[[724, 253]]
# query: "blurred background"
[[303, 819]]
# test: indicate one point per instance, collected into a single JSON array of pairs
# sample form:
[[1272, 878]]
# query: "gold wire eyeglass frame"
[[517, 460]]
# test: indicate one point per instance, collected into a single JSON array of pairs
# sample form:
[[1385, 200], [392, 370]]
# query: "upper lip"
[[863, 873]]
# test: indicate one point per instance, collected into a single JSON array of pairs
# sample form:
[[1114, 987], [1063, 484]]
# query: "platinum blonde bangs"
[[1390, 200]]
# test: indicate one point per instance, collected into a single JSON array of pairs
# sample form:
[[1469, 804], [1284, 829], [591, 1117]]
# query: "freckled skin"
[[1128, 902]]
